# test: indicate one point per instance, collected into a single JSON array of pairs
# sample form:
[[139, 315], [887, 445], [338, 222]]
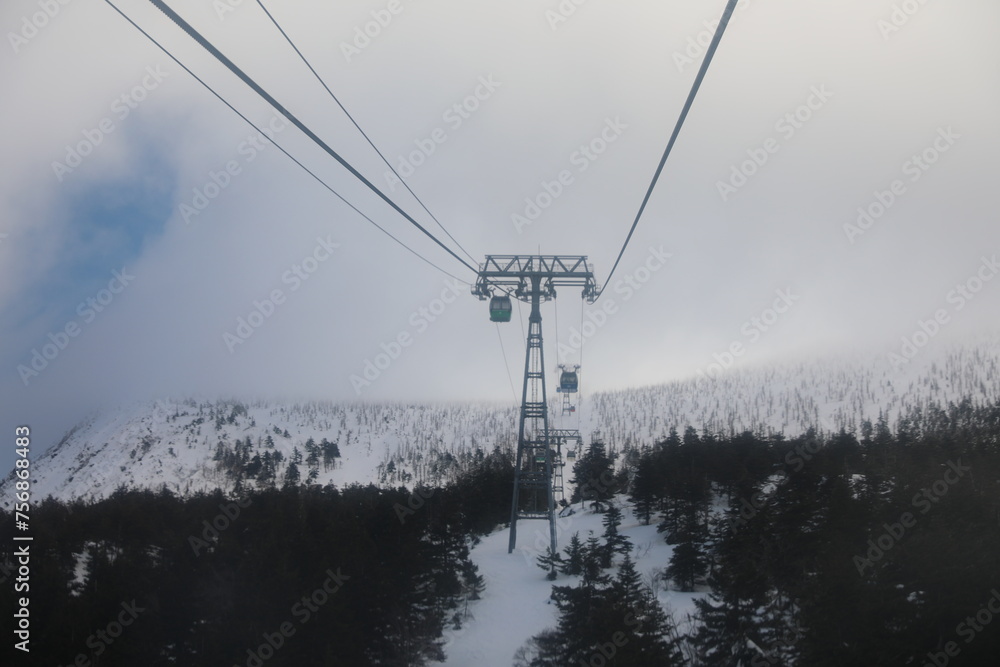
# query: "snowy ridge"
[[176, 444], [827, 394], [184, 445]]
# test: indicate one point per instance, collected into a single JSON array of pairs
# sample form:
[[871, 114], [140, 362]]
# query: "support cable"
[[555, 310], [709, 54], [232, 67], [276, 144], [506, 365], [582, 341], [356, 125], [520, 319]]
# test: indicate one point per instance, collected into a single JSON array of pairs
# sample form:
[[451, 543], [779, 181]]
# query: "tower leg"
[[533, 466]]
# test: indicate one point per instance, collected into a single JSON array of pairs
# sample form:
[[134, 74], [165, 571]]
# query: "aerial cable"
[[582, 338], [506, 364], [277, 145], [363, 133], [521, 320], [723, 22], [229, 64], [555, 309]]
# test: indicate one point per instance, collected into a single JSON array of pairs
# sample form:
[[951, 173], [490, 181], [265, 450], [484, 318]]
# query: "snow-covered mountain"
[[189, 445]]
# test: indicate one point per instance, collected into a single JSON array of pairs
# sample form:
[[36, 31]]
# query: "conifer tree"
[[650, 636], [614, 542], [646, 486], [550, 562], [594, 477], [573, 563], [292, 474]]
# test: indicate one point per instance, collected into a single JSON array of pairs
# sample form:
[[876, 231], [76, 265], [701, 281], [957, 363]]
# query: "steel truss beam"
[[519, 272]]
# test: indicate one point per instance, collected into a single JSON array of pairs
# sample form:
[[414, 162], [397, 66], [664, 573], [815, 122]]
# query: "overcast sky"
[[125, 268]]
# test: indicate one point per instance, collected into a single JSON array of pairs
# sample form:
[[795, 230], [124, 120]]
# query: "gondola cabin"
[[500, 309], [569, 382]]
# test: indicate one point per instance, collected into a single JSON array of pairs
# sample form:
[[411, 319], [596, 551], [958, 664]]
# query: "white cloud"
[[784, 227]]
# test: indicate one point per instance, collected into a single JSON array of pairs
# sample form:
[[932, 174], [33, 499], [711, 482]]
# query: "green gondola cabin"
[[500, 309]]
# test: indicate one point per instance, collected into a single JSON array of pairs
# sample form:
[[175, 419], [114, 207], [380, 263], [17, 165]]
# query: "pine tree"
[[573, 563], [292, 474], [650, 636], [605, 622], [473, 582], [646, 487], [580, 611], [330, 453], [550, 562], [728, 621], [687, 566], [542, 650], [614, 542], [594, 477]]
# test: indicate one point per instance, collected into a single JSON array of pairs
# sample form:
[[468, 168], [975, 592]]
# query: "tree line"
[[296, 575]]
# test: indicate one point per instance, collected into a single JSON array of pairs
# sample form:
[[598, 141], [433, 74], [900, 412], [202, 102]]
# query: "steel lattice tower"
[[533, 279], [560, 439], [533, 494]]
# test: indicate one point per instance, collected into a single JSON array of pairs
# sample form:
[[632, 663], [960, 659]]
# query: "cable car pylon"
[[532, 279]]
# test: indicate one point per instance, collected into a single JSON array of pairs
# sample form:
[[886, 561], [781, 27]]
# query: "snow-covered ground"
[[174, 442], [515, 605]]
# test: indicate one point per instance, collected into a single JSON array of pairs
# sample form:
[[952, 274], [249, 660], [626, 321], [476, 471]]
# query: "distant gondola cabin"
[[569, 382], [500, 309]]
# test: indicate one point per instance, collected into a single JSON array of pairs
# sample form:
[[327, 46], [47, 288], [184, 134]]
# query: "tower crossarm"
[[518, 272]]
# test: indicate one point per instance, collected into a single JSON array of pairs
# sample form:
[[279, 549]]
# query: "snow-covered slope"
[[190, 445], [828, 394], [183, 444], [515, 605]]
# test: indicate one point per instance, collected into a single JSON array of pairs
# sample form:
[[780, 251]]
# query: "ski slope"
[[515, 605]]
